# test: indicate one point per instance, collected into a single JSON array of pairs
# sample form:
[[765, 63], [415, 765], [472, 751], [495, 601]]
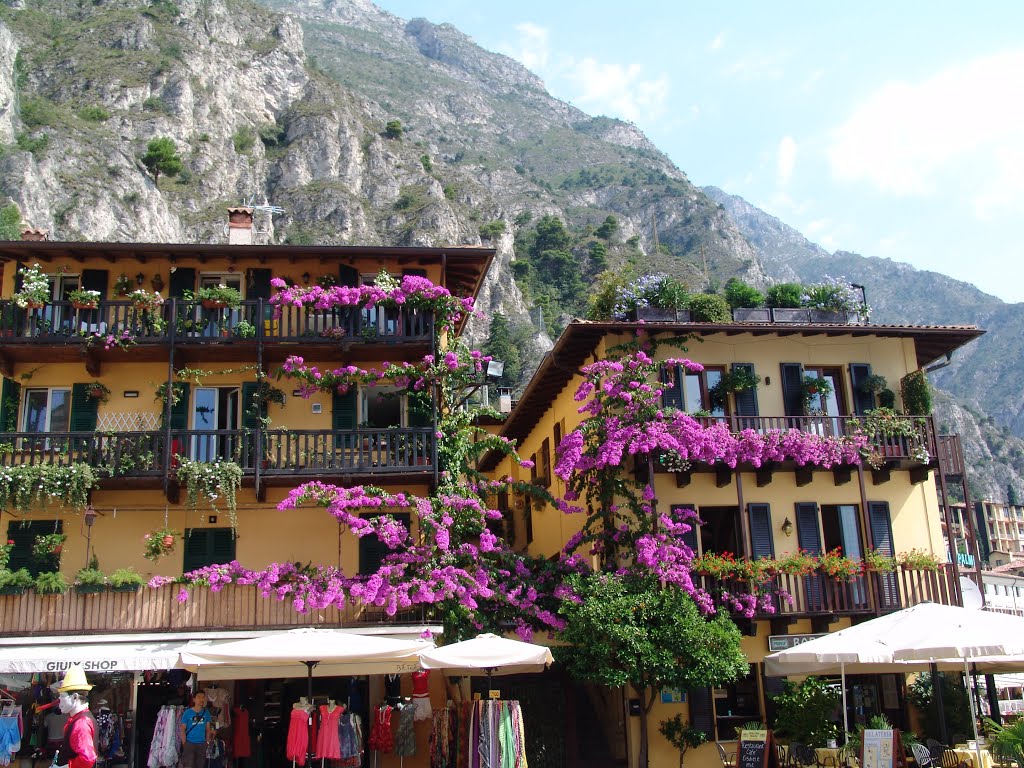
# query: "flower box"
[[12, 590], [789, 315], [210, 304], [90, 589], [85, 304], [839, 317], [126, 588], [661, 315], [752, 315]]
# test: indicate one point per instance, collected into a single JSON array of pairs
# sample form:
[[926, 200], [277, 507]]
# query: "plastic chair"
[[802, 756], [921, 755], [728, 758], [951, 759]]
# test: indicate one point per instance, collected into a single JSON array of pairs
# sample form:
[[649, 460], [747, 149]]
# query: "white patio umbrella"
[[488, 654]]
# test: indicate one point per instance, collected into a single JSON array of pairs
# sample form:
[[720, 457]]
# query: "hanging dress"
[[405, 739], [298, 736], [381, 738], [421, 694], [327, 744], [241, 744]]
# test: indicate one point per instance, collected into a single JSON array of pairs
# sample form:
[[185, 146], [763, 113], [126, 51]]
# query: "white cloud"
[[718, 43], [952, 130], [756, 66], [786, 159], [533, 48]]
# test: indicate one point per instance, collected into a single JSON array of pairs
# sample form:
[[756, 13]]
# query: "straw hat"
[[74, 680]]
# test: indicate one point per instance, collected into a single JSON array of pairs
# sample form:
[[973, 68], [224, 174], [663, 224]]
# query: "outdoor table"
[[971, 756]]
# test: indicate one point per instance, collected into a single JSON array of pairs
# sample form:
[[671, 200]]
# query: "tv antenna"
[[266, 208]]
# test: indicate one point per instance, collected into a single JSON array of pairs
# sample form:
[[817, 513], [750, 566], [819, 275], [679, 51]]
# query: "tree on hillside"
[[162, 157], [551, 235], [10, 222], [502, 345], [393, 129], [609, 228]]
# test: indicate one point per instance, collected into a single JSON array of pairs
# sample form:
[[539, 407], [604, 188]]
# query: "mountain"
[[367, 128], [986, 406]]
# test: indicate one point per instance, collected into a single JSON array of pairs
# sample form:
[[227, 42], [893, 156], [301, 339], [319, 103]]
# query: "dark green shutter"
[[808, 536], [702, 715], [257, 286], [792, 388], [10, 402], [251, 414], [344, 411], [761, 541], [348, 276], [83, 409], [414, 272], [421, 410], [182, 279], [179, 410], [96, 280], [371, 550], [881, 538], [862, 401], [672, 395], [746, 401], [208, 546]]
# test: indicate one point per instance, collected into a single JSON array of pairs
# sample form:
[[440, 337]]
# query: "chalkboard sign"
[[755, 750], [879, 748]]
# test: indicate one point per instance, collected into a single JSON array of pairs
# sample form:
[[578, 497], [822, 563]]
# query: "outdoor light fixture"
[[787, 527], [863, 298], [89, 517], [139, 278], [305, 278]]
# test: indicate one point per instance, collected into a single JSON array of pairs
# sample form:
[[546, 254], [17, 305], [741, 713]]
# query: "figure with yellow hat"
[[78, 749]]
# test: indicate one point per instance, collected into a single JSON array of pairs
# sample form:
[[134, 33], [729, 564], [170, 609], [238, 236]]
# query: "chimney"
[[35, 233], [240, 226]]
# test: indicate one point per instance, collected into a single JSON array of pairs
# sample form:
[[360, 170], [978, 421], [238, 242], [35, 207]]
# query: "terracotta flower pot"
[[57, 549], [210, 304], [168, 541]]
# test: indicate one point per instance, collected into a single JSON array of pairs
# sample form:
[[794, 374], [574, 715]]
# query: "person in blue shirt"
[[196, 732]]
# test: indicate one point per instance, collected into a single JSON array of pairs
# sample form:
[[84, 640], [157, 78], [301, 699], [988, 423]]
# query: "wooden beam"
[[723, 476], [804, 476], [764, 475], [683, 478], [821, 624], [780, 624], [6, 366], [880, 475], [92, 363], [841, 474], [918, 474]]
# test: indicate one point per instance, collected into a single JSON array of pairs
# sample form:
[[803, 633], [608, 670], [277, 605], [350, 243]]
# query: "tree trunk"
[[645, 708]]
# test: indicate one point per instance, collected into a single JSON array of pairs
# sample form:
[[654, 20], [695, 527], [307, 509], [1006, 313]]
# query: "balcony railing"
[[235, 607], [294, 452], [191, 323], [820, 594]]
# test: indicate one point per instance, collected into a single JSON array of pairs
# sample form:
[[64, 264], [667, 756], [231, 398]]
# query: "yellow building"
[[771, 511], [85, 383]]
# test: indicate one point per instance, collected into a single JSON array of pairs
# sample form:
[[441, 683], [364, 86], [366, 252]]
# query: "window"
[[372, 550], [215, 410], [382, 407], [47, 410], [208, 546], [689, 390], [721, 530], [839, 528], [23, 534], [220, 322], [835, 403]]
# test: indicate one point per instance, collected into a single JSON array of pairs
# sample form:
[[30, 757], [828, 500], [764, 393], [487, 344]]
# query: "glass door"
[[46, 411], [204, 419]]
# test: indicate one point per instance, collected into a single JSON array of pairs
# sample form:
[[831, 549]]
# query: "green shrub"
[[955, 707], [37, 112], [492, 230], [51, 583], [272, 134], [34, 145], [786, 295], [705, 308], [804, 711], [155, 104], [94, 113], [124, 577], [393, 129], [425, 161], [739, 294], [90, 577], [410, 198], [450, 190], [19, 579], [243, 139], [916, 393]]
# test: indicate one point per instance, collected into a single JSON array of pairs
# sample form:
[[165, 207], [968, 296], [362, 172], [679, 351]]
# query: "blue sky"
[[889, 129]]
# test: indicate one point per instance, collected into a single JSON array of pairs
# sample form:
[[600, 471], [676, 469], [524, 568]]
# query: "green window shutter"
[[344, 410], [414, 272], [702, 715], [10, 402], [421, 411], [179, 411], [881, 535], [672, 393], [23, 534], [96, 280], [746, 401], [182, 279], [251, 415], [808, 537], [862, 401], [371, 550], [761, 541], [792, 388], [208, 546], [83, 409]]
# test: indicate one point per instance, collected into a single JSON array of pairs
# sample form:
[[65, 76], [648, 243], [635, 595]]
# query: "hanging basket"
[[35, 305], [167, 541]]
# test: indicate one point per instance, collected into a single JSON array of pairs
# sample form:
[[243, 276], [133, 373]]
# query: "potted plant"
[[746, 302], [145, 301], [159, 543], [879, 563], [786, 303], [97, 390], [834, 300], [717, 565], [815, 388], [918, 560], [874, 384], [656, 297], [125, 580], [799, 563], [681, 735], [48, 544], [83, 299], [327, 281], [244, 329], [214, 480], [51, 583], [217, 297], [35, 288], [735, 380], [122, 285], [15, 582], [90, 579], [836, 565]]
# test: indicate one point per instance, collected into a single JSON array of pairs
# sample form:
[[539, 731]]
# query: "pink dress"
[[327, 744], [298, 736]]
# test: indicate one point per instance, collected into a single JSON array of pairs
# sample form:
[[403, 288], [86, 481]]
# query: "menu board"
[[878, 748], [754, 750]]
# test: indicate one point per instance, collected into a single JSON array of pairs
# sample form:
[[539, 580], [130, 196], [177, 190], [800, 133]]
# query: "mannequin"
[[78, 749]]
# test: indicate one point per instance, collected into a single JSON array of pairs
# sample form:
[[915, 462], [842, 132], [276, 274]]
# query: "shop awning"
[[105, 657]]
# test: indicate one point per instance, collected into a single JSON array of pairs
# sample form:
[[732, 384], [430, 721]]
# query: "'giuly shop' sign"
[[89, 665]]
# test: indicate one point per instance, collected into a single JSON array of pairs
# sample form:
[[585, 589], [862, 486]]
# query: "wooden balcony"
[[873, 593], [204, 333], [265, 457], [236, 607]]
